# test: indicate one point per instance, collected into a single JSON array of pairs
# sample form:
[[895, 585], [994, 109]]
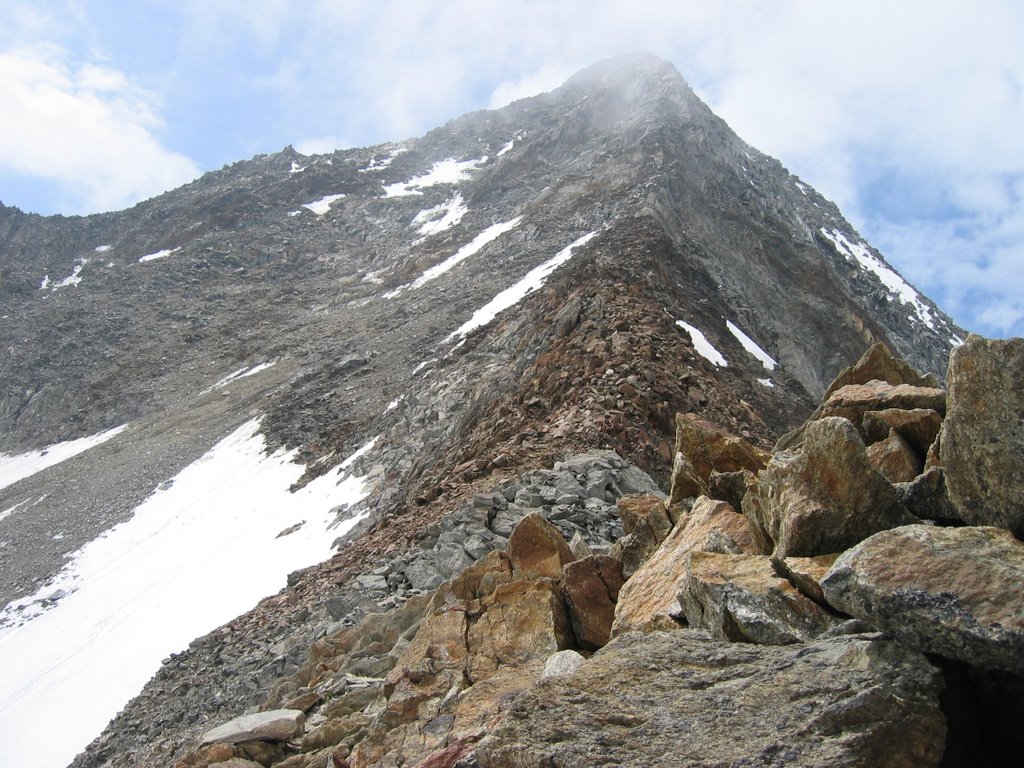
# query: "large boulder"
[[957, 592], [918, 426], [645, 523], [854, 401], [895, 459], [273, 725], [705, 449], [537, 549], [591, 588], [682, 698], [741, 598], [983, 436], [824, 497], [647, 600]]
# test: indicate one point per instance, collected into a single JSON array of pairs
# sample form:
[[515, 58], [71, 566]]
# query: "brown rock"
[[709, 448], [806, 573], [824, 497], [895, 459], [520, 622], [854, 400], [918, 426], [730, 486], [537, 549], [347, 729], [647, 600], [591, 588], [237, 762], [876, 364], [646, 524], [957, 592], [683, 699], [741, 598], [685, 483], [925, 496], [983, 435]]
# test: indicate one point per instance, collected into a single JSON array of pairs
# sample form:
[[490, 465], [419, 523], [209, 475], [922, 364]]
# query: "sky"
[[909, 115]]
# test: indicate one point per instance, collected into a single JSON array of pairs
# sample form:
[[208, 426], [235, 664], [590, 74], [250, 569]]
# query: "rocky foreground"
[[855, 598]]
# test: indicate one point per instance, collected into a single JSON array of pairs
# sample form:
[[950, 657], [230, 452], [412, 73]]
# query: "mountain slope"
[[668, 267]]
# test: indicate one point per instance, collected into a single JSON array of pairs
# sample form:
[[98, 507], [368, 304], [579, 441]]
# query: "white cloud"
[[547, 78], [86, 128], [320, 145]]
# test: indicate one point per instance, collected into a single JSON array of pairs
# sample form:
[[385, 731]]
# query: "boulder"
[[806, 573], [591, 588], [825, 496], [273, 725], [537, 549], [709, 448], [682, 698], [926, 497], [957, 592], [730, 486], [918, 426], [684, 483], [876, 364], [983, 435], [562, 663], [741, 598], [648, 598], [894, 459], [854, 400], [646, 524]]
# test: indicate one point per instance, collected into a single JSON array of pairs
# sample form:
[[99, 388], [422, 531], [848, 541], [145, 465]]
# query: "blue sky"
[[910, 115]]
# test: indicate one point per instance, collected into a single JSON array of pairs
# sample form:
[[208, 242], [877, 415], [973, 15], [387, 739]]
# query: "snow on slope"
[[896, 285], [512, 295], [701, 344], [752, 347], [15, 467], [448, 171], [441, 217], [199, 551], [323, 205]]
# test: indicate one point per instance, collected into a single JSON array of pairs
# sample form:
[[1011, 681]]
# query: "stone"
[[346, 729], [591, 588], [647, 600], [894, 459], [918, 426], [682, 698], [236, 762], [646, 524], [537, 549], [684, 483], [957, 592], [708, 448], [926, 497], [825, 496], [741, 598], [729, 486], [273, 725], [854, 400], [579, 547], [562, 663], [983, 435], [876, 364], [806, 573]]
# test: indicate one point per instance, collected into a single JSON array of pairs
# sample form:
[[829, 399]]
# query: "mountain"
[[385, 335]]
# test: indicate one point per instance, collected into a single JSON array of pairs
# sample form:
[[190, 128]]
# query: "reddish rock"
[[918, 426], [591, 588], [854, 400], [895, 459], [537, 549]]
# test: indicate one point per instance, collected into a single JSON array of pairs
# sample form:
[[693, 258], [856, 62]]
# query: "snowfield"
[[202, 549]]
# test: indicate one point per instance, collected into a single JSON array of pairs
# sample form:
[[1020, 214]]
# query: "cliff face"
[[565, 274]]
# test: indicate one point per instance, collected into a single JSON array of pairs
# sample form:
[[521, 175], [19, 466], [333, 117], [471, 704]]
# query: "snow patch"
[[15, 467], [241, 373], [380, 165], [394, 404], [506, 149], [432, 221], [752, 347], [448, 171], [143, 589], [512, 295], [895, 284], [296, 168], [72, 279], [102, 248], [323, 205], [423, 365], [45, 284], [703, 347], [11, 510], [158, 255], [801, 187], [765, 382]]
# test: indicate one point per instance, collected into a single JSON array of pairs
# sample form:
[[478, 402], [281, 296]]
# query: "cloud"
[[320, 145], [85, 128]]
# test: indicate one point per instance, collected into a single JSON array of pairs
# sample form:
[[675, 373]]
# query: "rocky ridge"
[[904, 649]]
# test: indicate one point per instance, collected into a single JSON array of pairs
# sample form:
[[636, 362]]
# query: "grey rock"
[[983, 435], [562, 663], [681, 698], [958, 592], [273, 725]]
